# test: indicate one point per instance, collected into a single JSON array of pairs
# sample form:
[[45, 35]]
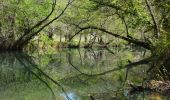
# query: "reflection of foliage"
[[96, 75]]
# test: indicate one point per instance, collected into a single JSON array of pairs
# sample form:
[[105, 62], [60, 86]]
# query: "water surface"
[[73, 74]]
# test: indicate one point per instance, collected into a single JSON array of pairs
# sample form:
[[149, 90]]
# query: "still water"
[[73, 74]]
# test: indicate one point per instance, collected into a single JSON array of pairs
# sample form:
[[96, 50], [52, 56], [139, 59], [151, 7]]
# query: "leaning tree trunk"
[[30, 33]]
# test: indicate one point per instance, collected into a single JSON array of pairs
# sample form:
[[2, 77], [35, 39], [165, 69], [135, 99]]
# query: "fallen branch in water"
[[162, 87]]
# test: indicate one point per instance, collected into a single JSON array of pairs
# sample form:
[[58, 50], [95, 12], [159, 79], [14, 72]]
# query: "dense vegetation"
[[84, 23], [127, 25]]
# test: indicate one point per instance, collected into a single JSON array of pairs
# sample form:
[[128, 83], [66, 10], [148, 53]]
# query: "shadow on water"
[[72, 74]]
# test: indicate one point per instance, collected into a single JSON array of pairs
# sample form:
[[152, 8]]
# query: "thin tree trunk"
[[80, 40], [156, 26], [28, 35], [60, 37]]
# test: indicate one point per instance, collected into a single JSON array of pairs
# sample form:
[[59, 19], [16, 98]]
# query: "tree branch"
[[153, 19], [25, 39], [124, 21], [35, 33], [43, 20], [40, 22], [132, 40]]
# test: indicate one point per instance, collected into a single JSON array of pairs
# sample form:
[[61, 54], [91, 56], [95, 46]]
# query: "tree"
[[24, 20], [112, 17], [144, 23]]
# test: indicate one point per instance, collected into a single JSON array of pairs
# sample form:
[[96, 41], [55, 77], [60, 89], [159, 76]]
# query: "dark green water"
[[73, 75]]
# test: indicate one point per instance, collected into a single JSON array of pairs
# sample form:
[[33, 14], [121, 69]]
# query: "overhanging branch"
[[29, 35], [35, 33], [43, 20], [132, 40], [40, 22]]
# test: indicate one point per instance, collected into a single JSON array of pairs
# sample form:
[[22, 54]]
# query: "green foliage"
[[22, 14]]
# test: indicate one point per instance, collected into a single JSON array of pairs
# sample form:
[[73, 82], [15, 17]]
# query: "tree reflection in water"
[[81, 74]]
